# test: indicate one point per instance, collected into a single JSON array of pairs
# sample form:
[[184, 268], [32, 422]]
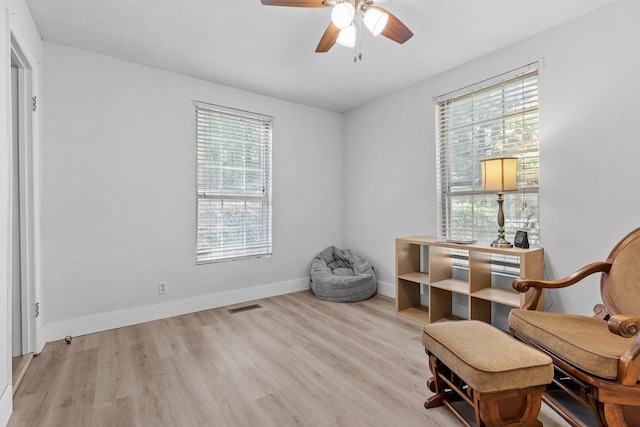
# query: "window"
[[497, 120], [233, 150]]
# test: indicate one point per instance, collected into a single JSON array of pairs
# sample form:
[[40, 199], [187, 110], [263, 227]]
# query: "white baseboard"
[[6, 405], [117, 319], [387, 289]]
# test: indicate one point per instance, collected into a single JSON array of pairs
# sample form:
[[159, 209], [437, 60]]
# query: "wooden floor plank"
[[297, 360], [19, 367]]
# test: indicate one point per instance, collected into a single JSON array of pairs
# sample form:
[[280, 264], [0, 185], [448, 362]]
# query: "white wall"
[[588, 149], [119, 194]]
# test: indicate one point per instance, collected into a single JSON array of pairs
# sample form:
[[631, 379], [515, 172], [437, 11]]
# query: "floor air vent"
[[245, 308]]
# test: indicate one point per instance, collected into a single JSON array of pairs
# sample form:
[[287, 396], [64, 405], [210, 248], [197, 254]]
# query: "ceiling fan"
[[347, 18]]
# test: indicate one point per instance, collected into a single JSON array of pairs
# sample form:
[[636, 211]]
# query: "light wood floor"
[[19, 367], [295, 361]]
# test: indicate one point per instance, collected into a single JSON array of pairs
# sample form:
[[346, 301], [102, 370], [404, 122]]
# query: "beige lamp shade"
[[500, 175]]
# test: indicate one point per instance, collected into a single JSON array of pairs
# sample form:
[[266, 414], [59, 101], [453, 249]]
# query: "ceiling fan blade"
[[294, 3], [328, 38], [395, 29]]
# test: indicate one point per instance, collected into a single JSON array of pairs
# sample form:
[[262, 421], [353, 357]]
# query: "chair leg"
[[509, 408], [620, 415], [439, 398], [437, 386]]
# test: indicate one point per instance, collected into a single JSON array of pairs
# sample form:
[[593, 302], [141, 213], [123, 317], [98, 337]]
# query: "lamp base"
[[500, 242]]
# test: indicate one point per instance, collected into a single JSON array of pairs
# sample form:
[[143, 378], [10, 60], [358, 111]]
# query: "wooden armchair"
[[596, 359]]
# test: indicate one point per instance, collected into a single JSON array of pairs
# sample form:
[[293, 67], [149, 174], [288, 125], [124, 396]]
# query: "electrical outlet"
[[163, 288]]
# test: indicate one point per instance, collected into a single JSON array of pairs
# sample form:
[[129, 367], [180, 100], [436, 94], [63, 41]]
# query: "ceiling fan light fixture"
[[347, 20], [342, 15], [347, 36], [375, 21]]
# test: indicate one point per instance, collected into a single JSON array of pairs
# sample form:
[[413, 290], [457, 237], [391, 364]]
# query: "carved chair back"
[[620, 287]]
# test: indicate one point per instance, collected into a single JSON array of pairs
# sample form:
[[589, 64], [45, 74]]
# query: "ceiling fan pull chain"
[[359, 39]]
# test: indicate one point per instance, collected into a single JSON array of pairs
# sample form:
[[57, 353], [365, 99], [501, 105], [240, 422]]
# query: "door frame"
[[27, 236]]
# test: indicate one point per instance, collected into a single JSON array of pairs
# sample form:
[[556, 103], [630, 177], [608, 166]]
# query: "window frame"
[[233, 184], [521, 207]]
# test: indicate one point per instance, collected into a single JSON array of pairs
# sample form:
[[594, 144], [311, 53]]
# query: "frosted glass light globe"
[[342, 15], [347, 36], [375, 21]]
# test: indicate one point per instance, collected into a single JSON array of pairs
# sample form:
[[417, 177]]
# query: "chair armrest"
[[625, 326], [629, 363], [524, 285]]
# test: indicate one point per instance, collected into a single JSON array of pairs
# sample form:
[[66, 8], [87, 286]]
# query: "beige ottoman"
[[501, 378]]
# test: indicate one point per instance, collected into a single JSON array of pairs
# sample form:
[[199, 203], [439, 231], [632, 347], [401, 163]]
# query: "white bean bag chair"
[[342, 276]]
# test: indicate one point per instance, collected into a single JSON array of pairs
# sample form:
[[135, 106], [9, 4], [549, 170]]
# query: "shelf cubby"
[[426, 262]]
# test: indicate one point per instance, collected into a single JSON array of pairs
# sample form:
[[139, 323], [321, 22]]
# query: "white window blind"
[[233, 150], [500, 120]]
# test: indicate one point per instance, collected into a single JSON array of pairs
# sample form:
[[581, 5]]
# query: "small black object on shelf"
[[521, 240]]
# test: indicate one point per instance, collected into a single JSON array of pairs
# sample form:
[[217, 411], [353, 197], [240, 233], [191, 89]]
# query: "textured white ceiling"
[[270, 50]]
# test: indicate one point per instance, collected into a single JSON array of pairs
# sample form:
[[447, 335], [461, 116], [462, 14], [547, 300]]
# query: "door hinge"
[[37, 309], [35, 103]]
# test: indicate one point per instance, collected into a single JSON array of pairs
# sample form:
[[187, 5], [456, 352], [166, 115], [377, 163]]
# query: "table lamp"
[[500, 175]]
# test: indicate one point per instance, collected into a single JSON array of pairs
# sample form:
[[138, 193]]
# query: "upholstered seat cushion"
[[581, 341], [486, 358]]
